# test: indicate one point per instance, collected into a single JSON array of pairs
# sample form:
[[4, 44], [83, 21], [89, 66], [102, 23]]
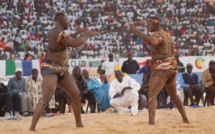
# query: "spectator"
[[181, 67], [100, 91], [130, 66], [34, 89], [208, 81], [191, 86], [63, 98], [17, 87], [108, 66], [85, 93], [145, 68], [6, 100], [124, 93]]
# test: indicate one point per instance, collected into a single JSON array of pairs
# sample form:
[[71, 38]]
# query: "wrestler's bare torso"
[[60, 57]]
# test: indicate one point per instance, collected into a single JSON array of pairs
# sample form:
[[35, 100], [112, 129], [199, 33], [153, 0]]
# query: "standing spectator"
[[130, 66], [16, 86], [191, 86], [108, 66], [208, 81], [2, 44]]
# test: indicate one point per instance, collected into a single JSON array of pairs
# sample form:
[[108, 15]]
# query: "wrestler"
[[55, 70], [164, 66]]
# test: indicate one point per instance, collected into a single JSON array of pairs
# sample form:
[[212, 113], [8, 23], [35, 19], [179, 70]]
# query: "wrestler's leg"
[[156, 84], [48, 88], [171, 90], [69, 85]]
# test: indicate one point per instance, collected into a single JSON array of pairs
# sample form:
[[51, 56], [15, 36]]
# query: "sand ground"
[[202, 121]]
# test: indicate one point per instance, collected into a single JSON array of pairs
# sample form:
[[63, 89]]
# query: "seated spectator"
[[100, 91], [130, 66], [85, 93], [63, 98], [208, 81], [191, 86], [124, 93], [34, 89], [6, 100], [162, 96], [17, 87]]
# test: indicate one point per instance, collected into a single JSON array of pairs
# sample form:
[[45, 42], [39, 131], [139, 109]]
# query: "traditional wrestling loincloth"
[[166, 69], [49, 67]]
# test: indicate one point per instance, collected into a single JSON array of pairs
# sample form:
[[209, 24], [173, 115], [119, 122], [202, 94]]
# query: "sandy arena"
[[202, 121]]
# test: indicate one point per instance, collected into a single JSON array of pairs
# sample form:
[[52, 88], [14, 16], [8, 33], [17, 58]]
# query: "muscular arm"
[[78, 32], [76, 42], [74, 35], [150, 40]]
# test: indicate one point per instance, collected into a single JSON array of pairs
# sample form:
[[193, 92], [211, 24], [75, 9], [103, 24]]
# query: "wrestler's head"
[[153, 22], [34, 73], [62, 19], [85, 73], [189, 68]]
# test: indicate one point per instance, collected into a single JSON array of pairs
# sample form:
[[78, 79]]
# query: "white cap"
[[18, 70]]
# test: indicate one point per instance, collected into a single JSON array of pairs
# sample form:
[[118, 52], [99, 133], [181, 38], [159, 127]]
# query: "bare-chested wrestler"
[[55, 68], [164, 66]]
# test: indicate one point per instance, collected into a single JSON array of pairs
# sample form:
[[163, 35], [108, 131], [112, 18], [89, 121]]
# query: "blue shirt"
[[16, 86], [143, 70]]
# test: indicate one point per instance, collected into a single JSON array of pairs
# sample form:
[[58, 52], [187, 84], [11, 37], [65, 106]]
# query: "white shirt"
[[116, 86], [109, 67]]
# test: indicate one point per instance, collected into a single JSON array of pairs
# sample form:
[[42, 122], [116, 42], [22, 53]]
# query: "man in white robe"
[[124, 92]]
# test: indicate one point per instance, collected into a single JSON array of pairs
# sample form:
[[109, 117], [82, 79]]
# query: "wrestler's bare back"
[[60, 57]]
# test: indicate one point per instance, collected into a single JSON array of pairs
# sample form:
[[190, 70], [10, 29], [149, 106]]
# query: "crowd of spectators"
[[25, 25]]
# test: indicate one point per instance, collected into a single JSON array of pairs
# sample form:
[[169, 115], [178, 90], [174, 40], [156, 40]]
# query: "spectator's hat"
[[18, 70], [117, 68], [129, 53]]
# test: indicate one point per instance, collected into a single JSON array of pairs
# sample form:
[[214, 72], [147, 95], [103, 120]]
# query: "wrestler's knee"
[[76, 96], [176, 99]]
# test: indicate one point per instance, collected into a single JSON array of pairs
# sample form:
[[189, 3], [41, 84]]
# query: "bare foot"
[[186, 121], [79, 125], [151, 123], [31, 129]]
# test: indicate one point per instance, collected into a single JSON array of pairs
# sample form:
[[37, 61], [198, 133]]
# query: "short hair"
[[34, 70], [109, 55], [189, 65], [59, 14]]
